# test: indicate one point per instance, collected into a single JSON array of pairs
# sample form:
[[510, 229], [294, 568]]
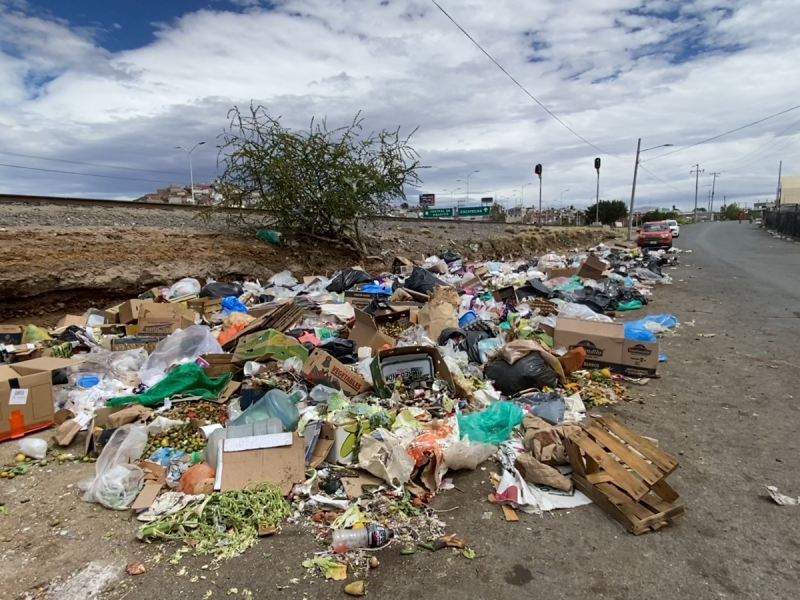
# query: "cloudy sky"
[[118, 85]]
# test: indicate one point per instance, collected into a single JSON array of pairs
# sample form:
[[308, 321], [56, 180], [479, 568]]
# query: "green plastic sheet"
[[184, 380], [492, 426]]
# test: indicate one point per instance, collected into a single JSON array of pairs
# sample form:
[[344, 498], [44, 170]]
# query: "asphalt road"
[[725, 405]]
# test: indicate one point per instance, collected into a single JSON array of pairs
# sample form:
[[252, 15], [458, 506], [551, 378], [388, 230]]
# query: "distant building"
[[790, 190], [204, 194]]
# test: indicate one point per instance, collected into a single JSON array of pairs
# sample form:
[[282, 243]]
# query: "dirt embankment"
[[49, 270]]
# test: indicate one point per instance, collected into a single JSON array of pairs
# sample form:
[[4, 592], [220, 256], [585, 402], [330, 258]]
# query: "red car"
[[655, 235]]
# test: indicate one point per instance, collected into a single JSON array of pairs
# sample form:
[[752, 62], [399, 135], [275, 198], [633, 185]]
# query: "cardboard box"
[[268, 345], [66, 321], [592, 268], [98, 426], [607, 348], [156, 319], [205, 307], [129, 311], [10, 335], [26, 393], [366, 331], [322, 369], [276, 458], [155, 476], [568, 272], [134, 343], [219, 365], [505, 295], [383, 388], [360, 300]]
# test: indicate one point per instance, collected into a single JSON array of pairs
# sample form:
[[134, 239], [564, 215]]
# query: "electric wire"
[[82, 174]]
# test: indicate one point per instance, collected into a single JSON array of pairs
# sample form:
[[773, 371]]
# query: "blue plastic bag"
[[231, 304], [374, 289], [637, 330]]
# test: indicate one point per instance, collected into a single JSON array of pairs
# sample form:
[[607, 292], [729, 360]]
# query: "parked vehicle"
[[655, 235], [674, 227]]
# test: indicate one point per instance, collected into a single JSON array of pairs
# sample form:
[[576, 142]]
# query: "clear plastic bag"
[[467, 455], [33, 448], [283, 279], [579, 311], [183, 346], [124, 366], [184, 287], [116, 482], [550, 261]]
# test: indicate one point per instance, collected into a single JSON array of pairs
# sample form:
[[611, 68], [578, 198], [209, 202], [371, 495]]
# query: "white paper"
[[257, 442], [18, 397], [782, 499]]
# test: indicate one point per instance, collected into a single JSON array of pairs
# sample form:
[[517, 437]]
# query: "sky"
[[95, 96]]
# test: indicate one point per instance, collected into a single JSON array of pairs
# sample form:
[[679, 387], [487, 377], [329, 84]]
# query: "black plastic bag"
[[342, 350], [450, 333], [423, 281], [219, 289], [347, 280], [526, 373], [533, 289], [450, 256], [598, 301]]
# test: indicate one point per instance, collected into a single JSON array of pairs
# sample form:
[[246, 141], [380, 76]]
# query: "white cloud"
[[666, 71]]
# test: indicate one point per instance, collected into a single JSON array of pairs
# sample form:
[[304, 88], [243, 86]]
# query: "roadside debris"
[[219, 412], [782, 499]]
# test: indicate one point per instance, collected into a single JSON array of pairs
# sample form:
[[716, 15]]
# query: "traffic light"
[[538, 170], [597, 163]]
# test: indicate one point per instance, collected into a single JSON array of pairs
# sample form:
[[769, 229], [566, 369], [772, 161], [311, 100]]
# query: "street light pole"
[[191, 173], [562, 197], [522, 192], [468, 176], [633, 187]]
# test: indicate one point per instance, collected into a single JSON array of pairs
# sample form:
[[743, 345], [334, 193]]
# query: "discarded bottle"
[[371, 536], [275, 403]]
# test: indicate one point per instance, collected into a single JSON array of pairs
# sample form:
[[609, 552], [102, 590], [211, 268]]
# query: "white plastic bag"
[[183, 346], [184, 287], [283, 279], [550, 261], [116, 482], [464, 454], [33, 448], [579, 311]]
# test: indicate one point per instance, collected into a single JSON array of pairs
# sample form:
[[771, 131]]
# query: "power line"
[[749, 154], [82, 174], [88, 164], [716, 137], [511, 77], [661, 180]]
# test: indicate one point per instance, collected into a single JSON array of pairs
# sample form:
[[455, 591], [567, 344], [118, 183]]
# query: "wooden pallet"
[[624, 474]]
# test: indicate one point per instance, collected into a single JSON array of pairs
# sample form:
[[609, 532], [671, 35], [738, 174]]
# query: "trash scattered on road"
[[220, 412], [782, 499]]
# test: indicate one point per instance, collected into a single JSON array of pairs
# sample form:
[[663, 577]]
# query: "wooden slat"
[[602, 501], [666, 491], [656, 520], [661, 459], [508, 513], [634, 460], [657, 504], [575, 459], [596, 478], [623, 478]]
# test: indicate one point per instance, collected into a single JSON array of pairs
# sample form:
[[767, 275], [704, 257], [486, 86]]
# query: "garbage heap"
[[216, 412]]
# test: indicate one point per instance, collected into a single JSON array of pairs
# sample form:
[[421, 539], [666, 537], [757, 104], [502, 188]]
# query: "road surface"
[[726, 405]]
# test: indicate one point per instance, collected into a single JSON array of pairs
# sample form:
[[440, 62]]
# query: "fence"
[[785, 220]]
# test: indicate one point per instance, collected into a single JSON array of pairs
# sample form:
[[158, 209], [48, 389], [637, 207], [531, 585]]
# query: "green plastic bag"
[[493, 425], [270, 236], [184, 380], [631, 305]]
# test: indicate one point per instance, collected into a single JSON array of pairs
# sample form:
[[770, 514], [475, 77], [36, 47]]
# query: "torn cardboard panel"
[[268, 345], [322, 369], [276, 458], [366, 331], [157, 319]]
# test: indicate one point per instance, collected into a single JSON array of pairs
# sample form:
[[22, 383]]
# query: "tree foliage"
[[498, 214], [318, 183], [611, 211], [731, 212], [657, 215]]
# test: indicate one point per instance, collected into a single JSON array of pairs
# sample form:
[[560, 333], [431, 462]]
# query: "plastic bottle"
[[371, 536], [275, 403]]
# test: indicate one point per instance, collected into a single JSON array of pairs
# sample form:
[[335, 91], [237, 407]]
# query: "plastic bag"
[[526, 373], [549, 407], [492, 426], [183, 346], [124, 366], [467, 455], [321, 394], [33, 334], [347, 280], [231, 304], [550, 261], [269, 235], [578, 311], [647, 275], [116, 482], [184, 287], [422, 281], [33, 448], [283, 279], [216, 289]]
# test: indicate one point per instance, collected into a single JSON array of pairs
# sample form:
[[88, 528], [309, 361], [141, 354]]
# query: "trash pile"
[[218, 411]]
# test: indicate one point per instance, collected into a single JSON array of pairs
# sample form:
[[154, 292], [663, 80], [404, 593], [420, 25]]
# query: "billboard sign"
[[487, 200], [427, 199]]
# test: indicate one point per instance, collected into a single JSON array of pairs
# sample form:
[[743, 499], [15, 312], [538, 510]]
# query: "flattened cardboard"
[[325, 442], [383, 390], [282, 465], [568, 272], [163, 319], [205, 307], [36, 408], [268, 345], [129, 311], [10, 335], [323, 369], [155, 476], [66, 321], [592, 268], [354, 486], [219, 365]]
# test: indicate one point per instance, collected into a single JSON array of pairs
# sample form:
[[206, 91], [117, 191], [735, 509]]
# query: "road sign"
[[475, 211], [437, 213], [427, 199], [487, 200]]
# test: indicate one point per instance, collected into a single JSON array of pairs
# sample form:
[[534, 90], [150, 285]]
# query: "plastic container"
[[275, 403], [371, 536], [88, 380]]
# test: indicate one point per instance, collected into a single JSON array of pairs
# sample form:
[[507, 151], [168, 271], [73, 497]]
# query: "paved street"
[[724, 406]]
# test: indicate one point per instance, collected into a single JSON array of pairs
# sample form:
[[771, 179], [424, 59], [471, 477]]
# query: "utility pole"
[[696, 170], [633, 188], [778, 193], [711, 203]]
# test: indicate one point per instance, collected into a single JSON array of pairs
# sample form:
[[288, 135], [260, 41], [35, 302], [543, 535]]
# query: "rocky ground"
[[59, 259]]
